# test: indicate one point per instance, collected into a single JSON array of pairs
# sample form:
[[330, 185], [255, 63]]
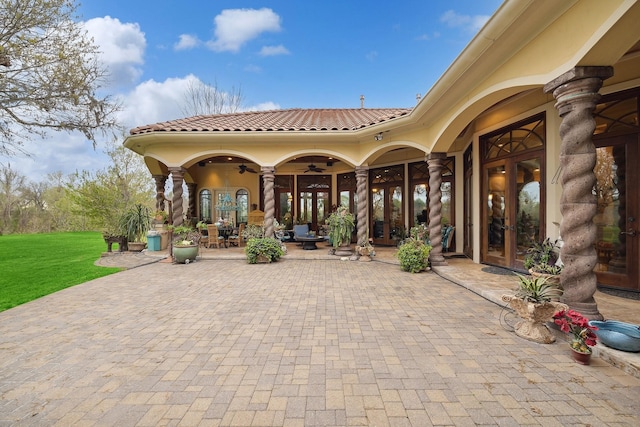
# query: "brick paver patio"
[[297, 343]]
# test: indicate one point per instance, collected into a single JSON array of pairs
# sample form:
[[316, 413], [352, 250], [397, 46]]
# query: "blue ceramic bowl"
[[618, 335]]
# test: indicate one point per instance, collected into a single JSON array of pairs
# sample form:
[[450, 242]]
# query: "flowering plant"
[[574, 323]]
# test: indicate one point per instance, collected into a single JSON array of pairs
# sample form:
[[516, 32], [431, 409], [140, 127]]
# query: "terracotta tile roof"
[[295, 119]]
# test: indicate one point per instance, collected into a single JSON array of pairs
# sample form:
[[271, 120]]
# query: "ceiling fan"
[[313, 168], [244, 168]]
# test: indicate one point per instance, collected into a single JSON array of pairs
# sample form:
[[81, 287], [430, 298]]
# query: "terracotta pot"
[[582, 358], [136, 246]]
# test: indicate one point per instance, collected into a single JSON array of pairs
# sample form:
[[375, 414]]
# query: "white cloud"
[[122, 46], [274, 50], [469, 23], [235, 27], [153, 101], [264, 106], [60, 151], [428, 37], [371, 56], [187, 41], [252, 68], [150, 102]]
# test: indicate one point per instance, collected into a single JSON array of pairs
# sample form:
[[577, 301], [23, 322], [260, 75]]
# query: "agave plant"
[[536, 289]]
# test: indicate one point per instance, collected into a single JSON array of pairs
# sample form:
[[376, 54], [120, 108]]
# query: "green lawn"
[[34, 265]]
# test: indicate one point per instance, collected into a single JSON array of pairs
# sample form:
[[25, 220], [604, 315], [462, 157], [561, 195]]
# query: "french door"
[[513, 214], [314, 200], [618, 215], [387, 218], [387, 204]]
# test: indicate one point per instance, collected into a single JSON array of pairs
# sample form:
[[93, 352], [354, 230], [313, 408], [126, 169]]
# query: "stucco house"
[[503, 147]]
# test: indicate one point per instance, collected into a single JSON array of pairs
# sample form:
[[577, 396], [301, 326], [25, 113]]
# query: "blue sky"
[[281, 54]]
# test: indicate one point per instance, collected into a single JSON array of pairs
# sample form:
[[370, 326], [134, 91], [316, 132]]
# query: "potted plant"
[[185, 244], [543, 260], [420, 232], [582, 333], [263, 250], [533, 303], [160, 217], [136, 223], [341, 225], [413, 255], [366, 250]]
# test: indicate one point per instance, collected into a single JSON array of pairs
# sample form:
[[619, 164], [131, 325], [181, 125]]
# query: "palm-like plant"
[[136, 223], [536, 289]]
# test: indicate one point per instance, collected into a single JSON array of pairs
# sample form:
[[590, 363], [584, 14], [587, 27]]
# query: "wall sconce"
[[378, 137]]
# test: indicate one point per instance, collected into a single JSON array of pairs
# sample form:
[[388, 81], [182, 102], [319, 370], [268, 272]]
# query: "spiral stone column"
[[160, 181], [192, 187], [362, 175], [177, 175], [268, 178], [576, 94], [434, 163]]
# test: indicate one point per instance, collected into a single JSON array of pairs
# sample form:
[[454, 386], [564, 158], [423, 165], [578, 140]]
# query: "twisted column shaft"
[[160, 181], [434, 163], [177, 176], [192, 199], [362, 175], [576, 93], [268, 177]]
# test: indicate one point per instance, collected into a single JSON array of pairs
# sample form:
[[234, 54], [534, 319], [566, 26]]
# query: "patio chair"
[[237, 237], [300, 230], [214, 237]]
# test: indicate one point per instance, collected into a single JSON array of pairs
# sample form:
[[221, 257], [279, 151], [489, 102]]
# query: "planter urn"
[[534, 317], [184, 253]]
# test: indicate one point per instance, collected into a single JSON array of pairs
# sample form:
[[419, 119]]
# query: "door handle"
[[630, 232]]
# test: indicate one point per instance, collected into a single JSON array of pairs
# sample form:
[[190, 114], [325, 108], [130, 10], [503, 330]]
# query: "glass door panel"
[[377, 215], [528, 210], [420, 204], [495, 214], [396, 217], [617, 241], [306, 207], [323, 205]]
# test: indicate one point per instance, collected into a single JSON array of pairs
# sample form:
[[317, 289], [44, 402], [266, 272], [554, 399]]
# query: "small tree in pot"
[[136, 223]]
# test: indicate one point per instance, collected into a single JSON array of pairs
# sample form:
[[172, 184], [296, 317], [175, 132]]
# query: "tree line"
[[79, 201]]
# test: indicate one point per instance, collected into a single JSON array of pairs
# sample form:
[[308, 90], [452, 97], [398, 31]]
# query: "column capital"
[[435, 156], [177, 170], [579, 73], [268, 170]]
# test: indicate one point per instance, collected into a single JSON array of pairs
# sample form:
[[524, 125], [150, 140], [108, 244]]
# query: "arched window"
[[205, 205]]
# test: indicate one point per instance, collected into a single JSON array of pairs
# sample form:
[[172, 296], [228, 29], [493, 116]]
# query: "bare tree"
[[202, 98], [11, 186], [49, 74]]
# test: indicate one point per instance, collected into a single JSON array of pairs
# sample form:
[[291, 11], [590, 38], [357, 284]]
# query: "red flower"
[[576, 324]]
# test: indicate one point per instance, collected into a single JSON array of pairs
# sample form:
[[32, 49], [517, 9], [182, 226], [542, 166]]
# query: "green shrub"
[[266, 247], [413, 255]]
